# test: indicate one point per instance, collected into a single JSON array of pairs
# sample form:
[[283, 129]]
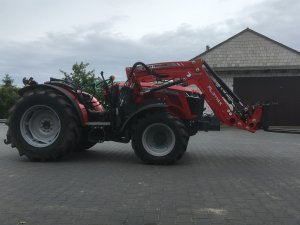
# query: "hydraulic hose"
[[149, 71]]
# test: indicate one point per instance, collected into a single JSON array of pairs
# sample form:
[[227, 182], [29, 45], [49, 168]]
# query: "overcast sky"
[[39, 37]]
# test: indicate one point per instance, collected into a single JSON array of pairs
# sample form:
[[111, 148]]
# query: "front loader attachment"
[[227, 107]]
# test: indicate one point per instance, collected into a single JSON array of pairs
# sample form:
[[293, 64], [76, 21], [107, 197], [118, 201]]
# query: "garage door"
[[285, 91]]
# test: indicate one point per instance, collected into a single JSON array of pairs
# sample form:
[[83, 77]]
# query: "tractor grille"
[[196, 103]]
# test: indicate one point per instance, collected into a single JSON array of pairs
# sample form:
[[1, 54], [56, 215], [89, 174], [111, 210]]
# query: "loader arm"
[[226, 106]]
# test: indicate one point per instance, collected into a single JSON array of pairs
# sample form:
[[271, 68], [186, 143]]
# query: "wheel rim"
[[158, 139], [40, 126]]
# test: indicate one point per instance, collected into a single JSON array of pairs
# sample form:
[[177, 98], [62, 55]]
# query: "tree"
[[83, 78], [8, 95], [7, 81]]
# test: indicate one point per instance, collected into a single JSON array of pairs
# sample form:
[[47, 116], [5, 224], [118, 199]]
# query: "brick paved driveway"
[[229, 177]]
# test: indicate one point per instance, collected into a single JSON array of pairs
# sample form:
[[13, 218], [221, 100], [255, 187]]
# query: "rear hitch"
[[7, 141]]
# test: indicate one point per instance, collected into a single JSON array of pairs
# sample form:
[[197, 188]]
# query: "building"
[[258, 68]]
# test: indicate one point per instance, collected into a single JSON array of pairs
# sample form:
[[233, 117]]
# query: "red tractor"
[[156, 109]]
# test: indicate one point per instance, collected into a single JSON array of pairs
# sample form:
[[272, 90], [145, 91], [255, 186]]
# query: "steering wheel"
[[105, 83]]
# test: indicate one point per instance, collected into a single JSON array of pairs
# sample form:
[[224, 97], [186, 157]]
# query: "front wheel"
[[159, 138]]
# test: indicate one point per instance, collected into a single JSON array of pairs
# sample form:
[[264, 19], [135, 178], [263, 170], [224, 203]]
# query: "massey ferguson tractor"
[[158, 108]]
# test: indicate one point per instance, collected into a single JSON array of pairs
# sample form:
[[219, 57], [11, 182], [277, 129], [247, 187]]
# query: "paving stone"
[[227, 177]]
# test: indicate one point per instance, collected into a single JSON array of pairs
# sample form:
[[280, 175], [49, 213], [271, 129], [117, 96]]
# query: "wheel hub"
[[46, 125], [40, 126], [158, 139]]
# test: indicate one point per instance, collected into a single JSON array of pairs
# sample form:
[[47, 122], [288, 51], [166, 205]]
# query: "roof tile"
[[250, 49]]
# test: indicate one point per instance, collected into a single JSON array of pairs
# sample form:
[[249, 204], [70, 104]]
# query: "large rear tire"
[[159, 138], [43, 125]]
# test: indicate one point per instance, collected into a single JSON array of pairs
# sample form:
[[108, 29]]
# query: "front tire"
[[43, 125], [159, 138]]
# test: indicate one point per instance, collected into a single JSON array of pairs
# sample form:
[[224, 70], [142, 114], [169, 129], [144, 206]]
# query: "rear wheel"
[[43, 125], [159, 138], [40, 126]]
